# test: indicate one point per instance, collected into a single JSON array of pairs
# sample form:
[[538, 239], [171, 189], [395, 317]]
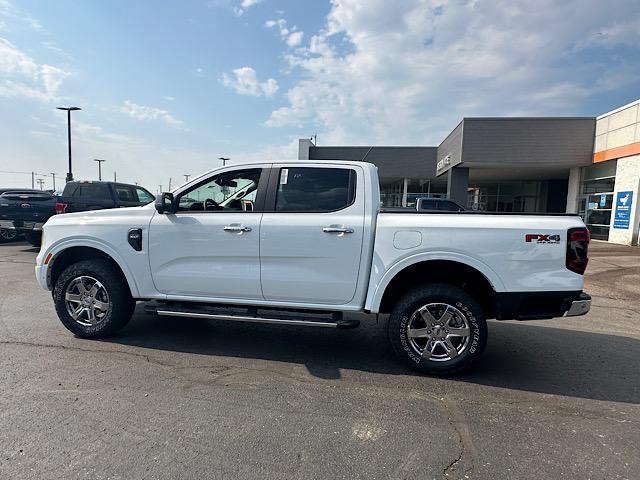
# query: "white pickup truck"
[[303, 243]]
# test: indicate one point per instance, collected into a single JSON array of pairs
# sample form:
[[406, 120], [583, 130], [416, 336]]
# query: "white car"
[[303, 243]]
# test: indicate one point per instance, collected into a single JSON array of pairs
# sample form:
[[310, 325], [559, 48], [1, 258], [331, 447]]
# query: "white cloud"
[[22, 76], [244, 6], [142, 112], [245, 82], [407, 72], [292, 36], [295, 39], [168, 98]]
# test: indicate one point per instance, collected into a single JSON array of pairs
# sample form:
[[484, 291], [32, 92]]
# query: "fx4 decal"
[[541, 238]]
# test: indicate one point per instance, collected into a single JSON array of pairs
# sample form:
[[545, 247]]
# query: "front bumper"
[[41, 276]]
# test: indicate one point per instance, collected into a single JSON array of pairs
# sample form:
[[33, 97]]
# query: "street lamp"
[[100, 161], [53, 174], [69, 110], [224, 160], [186, 177]]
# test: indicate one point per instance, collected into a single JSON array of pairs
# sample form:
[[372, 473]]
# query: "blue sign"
[[622, 215], [603, 200]]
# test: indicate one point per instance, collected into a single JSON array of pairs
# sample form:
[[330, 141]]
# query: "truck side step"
[[252, 314]]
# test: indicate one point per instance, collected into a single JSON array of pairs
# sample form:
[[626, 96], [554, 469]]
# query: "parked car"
[[21, 205], [435, 204], [89, 195], [27, 211], [303, 243]]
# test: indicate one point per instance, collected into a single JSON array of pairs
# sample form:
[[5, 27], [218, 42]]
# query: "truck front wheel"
[[438, 329], [92, 299]]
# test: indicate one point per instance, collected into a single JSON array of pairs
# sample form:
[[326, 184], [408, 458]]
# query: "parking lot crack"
[[468, 455], [79, 349]]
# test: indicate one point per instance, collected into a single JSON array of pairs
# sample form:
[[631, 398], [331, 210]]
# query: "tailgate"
[[27, 207]]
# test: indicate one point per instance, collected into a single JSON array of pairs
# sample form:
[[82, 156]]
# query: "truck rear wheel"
[[438, 329], [92, 299]]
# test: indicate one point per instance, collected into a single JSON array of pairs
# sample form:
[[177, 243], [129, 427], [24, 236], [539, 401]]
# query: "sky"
[[168, 87]]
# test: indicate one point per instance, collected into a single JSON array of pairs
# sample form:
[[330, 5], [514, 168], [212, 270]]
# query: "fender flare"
[[376, 292], [105, 248]]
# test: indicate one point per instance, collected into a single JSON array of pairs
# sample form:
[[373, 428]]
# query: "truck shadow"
[[519, 356]]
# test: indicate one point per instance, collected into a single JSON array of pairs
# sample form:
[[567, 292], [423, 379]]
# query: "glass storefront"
[[506, 197], [595, 203], [392, 193]]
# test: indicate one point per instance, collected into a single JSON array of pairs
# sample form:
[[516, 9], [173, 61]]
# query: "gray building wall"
[[561, 142], [392, 162]]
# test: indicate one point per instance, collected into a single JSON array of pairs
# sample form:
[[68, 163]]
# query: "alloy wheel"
[[438, 332], [87, 300]]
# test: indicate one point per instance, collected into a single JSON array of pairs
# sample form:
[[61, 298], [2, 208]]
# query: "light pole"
[[69, 110], [40, 182], [224, 160], [100, 162], [186, 178], [54, 180]]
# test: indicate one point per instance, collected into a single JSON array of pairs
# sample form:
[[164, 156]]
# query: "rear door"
[[311, 234]]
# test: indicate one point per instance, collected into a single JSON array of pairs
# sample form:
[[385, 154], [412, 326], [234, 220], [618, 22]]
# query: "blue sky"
[[168, 87]]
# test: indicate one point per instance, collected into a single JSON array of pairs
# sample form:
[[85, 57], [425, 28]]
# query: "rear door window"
[[92, 191], [126, 193], [309, 189]]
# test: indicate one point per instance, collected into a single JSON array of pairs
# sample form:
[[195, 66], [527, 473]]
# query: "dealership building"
[[584, 165]]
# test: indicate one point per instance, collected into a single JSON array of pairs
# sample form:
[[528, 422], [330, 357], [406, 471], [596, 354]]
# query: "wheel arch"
[[67, 254], [472, 276]]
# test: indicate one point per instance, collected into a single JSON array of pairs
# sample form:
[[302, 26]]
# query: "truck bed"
[[471, 212]]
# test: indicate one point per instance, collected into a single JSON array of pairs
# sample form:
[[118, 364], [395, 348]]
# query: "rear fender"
[[377, 289]]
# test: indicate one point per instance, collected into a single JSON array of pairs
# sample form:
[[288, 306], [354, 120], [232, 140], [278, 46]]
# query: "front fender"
[[377, 288], [68, 242]]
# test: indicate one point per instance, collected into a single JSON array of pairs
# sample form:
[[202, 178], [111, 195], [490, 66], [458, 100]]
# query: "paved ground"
[[175, 398]]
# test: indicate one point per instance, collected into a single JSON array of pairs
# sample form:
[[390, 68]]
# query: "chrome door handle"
[[236, 228], [337, 229]]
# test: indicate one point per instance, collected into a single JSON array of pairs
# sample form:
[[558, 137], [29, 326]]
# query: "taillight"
[[61, 207], [577, 246]]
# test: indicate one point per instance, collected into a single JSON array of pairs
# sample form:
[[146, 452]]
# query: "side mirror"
[[164, 203]]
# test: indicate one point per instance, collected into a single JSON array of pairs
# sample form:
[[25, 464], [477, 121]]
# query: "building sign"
[[444, 163], [603, 200], [622, 215]]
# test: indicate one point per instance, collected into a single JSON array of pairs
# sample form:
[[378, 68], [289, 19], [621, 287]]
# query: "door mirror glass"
[[164, 203]]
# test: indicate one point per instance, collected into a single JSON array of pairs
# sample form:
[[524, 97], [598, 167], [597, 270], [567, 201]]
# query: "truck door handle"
[[337, 229], [236, 228]]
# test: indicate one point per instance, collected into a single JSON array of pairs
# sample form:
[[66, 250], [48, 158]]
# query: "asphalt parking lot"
[[181, 398]]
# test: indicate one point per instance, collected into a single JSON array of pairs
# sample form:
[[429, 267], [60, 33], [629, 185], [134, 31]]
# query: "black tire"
[[121, 305], [34, 238], [7, 235], [465, 305]]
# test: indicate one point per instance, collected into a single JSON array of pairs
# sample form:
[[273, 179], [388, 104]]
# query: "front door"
[[210, 246], [311, 234]]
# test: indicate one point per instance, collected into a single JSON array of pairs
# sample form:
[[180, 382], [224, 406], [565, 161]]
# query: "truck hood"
[[123, 216]]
